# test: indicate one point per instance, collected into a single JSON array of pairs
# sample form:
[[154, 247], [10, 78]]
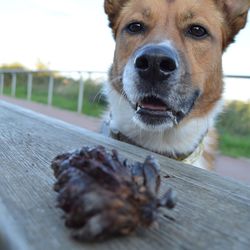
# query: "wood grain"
[[212, 212], [10, 235]]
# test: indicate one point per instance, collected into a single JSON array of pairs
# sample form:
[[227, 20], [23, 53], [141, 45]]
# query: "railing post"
[[1, 83], [89, 75], [29, 86], [50, 90], [80, 95], [13, 85]]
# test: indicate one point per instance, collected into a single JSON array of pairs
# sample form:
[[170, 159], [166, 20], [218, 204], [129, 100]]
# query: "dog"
[[165, 84]]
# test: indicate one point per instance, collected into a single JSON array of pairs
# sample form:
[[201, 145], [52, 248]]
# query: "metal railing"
[[82, 75], [237, 87], [237, 76]]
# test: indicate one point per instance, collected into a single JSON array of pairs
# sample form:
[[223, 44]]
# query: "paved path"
[[238, 169], [87, 122]]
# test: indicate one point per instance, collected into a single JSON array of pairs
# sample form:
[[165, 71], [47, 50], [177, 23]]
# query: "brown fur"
[[210, 155]]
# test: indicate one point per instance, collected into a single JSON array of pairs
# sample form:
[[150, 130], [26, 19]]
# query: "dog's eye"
[[135, 28], [197, 32]]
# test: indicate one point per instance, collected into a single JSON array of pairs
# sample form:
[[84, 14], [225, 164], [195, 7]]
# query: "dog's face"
[[167, 61]]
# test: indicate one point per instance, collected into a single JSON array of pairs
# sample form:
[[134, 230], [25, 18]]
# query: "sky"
[[74, 35]]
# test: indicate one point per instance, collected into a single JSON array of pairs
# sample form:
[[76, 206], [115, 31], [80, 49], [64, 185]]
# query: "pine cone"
[[103, 196]]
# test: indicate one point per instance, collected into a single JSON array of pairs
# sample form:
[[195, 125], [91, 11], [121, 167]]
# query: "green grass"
[[234, 145]]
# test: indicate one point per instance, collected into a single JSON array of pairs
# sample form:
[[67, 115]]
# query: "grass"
[[234, 145]]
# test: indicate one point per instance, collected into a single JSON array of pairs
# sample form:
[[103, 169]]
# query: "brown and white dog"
[[165, 84]]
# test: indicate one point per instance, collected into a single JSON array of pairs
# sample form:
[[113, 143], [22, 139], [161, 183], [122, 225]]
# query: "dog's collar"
[[188, 158], [195, 155]]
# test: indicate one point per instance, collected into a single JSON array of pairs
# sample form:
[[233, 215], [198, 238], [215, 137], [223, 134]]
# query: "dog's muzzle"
[[156, 87]]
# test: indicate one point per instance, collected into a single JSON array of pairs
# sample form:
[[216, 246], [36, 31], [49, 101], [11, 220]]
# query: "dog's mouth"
[[154, 110], [152, 104]]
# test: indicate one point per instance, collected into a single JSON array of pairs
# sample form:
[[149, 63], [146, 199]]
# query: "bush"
[[234, 129], [236, 118]]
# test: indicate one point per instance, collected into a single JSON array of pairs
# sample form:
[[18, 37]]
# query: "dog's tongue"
[[154, 107], [154, 104]]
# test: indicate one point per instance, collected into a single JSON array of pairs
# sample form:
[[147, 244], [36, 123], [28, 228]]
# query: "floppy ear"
[[235, 12], [112, 9]]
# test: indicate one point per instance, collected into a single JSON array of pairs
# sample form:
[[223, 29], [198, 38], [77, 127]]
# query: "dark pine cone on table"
[[104, 196]]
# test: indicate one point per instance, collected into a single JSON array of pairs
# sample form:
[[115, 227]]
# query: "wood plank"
[[212, 212], [11, 237]]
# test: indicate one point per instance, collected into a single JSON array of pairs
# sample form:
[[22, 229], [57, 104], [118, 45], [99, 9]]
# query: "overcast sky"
[[67, 34], [73, 35]]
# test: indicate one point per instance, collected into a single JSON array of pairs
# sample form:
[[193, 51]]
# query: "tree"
[[13, 66]]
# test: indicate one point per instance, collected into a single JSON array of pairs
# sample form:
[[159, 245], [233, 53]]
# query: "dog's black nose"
[[156, 63]]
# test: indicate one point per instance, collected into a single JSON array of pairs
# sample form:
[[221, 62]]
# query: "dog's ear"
[[235, 12], [112, 9]]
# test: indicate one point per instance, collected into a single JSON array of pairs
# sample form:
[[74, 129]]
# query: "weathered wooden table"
[[212, 212]]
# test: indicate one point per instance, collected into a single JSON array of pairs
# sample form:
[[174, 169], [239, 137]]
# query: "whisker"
[[115, 79], [98, 95]]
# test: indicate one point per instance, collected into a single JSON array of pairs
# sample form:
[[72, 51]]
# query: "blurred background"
[[57, 53]]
